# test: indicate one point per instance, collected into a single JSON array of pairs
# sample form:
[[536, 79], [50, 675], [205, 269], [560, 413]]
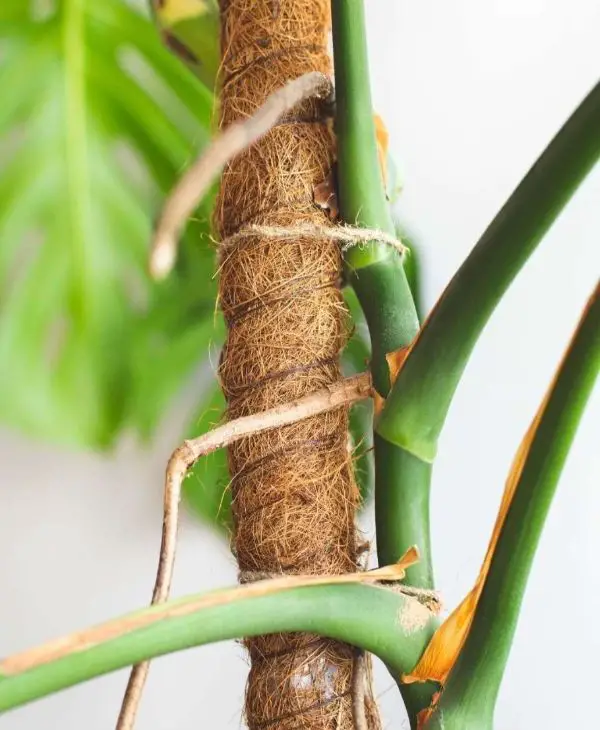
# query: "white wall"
[[471, 93]]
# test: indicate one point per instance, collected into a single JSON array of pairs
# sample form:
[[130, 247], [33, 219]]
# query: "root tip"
[[162, 258]]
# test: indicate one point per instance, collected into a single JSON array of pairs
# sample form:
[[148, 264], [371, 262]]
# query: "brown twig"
[[343, 393], [234, 140], [359, 684]]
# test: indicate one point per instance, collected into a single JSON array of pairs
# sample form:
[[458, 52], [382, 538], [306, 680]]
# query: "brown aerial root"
[[345, 392], [237, 138], [359, 685]]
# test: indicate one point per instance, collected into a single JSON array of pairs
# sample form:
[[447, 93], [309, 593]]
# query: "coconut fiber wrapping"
[[294, 494]]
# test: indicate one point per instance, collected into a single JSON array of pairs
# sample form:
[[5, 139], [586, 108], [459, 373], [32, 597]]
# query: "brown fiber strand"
[[294, 494]]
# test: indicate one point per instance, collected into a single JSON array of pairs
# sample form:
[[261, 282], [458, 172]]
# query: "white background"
[[471, 92]]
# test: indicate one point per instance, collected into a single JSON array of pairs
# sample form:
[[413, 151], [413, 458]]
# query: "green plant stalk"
[[375, 270], [408, 498], [362, 195], [369, 617], [379, 280], [354, 359], [377, 274], [419, 401], [402, 487], [470, 695]]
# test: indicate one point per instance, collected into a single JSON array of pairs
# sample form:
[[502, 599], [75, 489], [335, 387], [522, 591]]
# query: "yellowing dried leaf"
[[378, 403], [395, 360], [447, 642], [383, 139], [424, 715], [173, 11]]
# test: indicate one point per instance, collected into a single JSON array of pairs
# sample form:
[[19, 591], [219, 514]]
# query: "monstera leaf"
[[96, 122], [207, 488]]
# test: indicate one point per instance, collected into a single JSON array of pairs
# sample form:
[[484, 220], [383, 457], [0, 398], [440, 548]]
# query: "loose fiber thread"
[[294, 495], [346, 235]]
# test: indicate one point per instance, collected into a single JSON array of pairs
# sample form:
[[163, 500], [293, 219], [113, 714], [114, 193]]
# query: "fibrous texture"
[[294, 495]]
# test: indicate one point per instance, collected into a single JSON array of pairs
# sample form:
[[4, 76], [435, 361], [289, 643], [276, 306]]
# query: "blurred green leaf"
[[206, 489], [190, 29], [97, 121]]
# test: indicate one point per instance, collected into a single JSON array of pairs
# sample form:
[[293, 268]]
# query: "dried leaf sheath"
[[294, 495]]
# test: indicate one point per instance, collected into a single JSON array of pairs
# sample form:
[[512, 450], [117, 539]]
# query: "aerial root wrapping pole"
[[237, 138], [345, 392]]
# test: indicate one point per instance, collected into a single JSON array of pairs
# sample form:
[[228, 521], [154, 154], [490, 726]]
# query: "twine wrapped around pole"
[[294, 494]]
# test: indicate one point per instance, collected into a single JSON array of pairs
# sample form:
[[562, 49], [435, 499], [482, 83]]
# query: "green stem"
[[418, 404], [376, 271], [383, 293], [379, 280], [470, 695], [402, 514], [374, 618], [377, 275], [362, 191]]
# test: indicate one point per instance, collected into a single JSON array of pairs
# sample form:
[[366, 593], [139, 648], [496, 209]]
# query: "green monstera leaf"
[[97, 121], [207, 488]]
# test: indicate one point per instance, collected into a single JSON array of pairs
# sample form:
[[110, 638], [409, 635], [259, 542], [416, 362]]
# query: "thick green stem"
[[375, 270], [470, 695], [392, 325], [377, 275], [361, 184], [418, 404], [411, 502], [376, 619]]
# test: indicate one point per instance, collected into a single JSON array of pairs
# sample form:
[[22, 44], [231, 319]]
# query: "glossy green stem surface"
[[376, 270], [418, 404], [377, 274], [411, 503], [370, 617], [362, 192], [470, 694], [378, 278]]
